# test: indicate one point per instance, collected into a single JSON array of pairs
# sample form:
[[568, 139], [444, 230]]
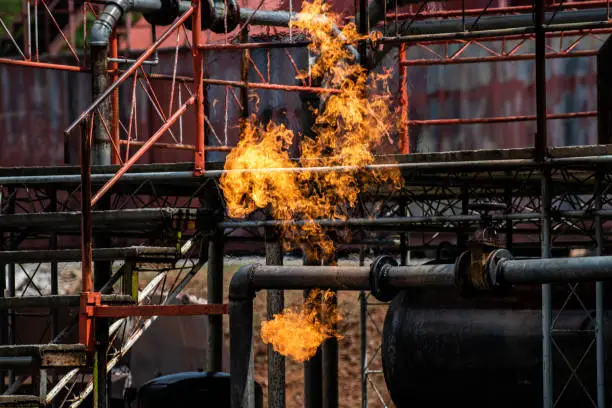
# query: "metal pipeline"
[[250, 279], [104, 25], [384, 279]]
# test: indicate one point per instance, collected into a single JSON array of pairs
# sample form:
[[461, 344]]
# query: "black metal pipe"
[[554, 270], [313, 367], [541, 140], [275, 304], [215, 296], [442, 275]]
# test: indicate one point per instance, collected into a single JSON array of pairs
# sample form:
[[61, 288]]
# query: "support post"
[[275, 305], [541, 137], [12, 245], [129, 280], [100, 155], [547, 373], [363, 309], [462, 236], [599, 297], [3, 313], [114, 127], [313, 384], [198, 78], [329, 351], [215, 296], [604, 98], [404, 107], [509, 223]]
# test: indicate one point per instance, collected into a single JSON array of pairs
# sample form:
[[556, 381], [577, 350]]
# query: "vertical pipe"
[[12, 245], [54, 272], [86, 227], [101, 148], [509, 223], [462, 237], [313, 385], [547, 374], [329, 352], [404, 108], [242, 384], [363, 309], [100, 154], [403, 237], [198, 76], [114, 128], [215, 296], [3, 314], [599, 295], [540, 68], [275, 305]]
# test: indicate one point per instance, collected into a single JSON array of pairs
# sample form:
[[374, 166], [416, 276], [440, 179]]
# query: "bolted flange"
[[494, 259], [164, 16], [379, 278], [213, 16]]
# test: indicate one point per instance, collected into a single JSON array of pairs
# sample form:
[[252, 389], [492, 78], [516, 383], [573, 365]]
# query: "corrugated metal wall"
[[37, 105]]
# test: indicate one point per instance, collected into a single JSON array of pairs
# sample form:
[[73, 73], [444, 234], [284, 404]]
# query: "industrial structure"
[[125, 180]]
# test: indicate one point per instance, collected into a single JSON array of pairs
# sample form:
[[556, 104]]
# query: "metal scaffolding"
[[106, 209]]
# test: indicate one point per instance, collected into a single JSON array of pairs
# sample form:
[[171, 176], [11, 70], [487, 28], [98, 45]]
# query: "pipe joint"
[[215, 16], [169, 11], [241, 286], [380, 287], [103, 27], [493, 267]]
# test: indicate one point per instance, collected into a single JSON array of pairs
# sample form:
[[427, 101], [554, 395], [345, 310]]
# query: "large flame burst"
[[350, 124], [298, 333]]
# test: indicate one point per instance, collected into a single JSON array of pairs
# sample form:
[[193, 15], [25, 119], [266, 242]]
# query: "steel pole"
[[275, 305], [313, 368], [215, 296], [599, 298], [198, 75]]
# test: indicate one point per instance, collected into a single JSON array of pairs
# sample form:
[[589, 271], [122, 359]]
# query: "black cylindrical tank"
[[440, 350], [190, 389]]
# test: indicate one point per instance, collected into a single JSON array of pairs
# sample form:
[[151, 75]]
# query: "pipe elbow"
[[241, 286], [103, 27]]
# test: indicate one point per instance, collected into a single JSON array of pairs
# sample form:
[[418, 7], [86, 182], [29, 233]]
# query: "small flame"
[[298, 333], [346, 129]]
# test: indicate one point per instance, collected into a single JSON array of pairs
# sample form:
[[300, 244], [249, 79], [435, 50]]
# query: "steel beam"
[[99, 254]]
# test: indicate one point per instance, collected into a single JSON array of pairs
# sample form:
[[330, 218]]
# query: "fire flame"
[[347, 126], [298, 333]]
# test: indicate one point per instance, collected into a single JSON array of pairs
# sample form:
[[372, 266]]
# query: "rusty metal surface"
[[20, 401], [159, 310]]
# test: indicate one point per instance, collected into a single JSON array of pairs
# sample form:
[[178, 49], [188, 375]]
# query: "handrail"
[[145, 55]]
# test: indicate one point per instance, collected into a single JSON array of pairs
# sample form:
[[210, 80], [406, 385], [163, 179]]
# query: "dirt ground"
[[349, 345]]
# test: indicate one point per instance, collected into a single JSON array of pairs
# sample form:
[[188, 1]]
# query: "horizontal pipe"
[[159, 310], [56, 301], [497, 58], [19, 361], [43, 65], [99, 218], [442, 275], [276, 87], [555, 270], [280, 18], [501, 119], [188, 175], [490, 23], [423, 14], [74, 255]]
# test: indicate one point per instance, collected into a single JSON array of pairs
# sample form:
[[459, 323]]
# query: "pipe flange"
[[379, 278], [491, 266], [165, 15], [219, 12], [462, 278]]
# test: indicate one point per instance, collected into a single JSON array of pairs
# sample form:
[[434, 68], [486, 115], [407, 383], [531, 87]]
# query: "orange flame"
[[345, 131], [298, 333]]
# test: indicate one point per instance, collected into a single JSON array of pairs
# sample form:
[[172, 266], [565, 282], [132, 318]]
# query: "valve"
[[471, 273], [214, 15]]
